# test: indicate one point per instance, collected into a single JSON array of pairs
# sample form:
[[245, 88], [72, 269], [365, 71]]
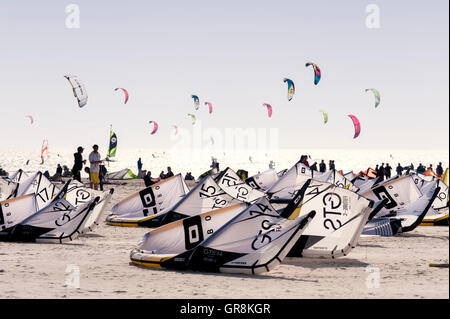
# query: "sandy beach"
[[102, 257]]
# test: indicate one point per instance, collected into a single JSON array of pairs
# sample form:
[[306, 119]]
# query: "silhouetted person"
[[399, 169], [78, 164], [322, 167], [148, 180], [139, 166], [387, 171], [169, 172], [381, 172], [420, 169], [331, 165], [439, 170]]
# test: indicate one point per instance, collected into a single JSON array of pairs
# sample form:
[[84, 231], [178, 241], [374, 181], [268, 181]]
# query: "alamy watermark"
[[373, 278], [236, 144], [373, 17], [72, 276], [73, 16]]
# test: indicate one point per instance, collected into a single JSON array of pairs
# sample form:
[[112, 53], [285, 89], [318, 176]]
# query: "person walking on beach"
[[322, 167], [78, 164], [439, 170], [95, 160], [139, 165]]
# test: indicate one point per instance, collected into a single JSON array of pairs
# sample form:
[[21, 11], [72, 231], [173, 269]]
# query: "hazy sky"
[[234, 54]]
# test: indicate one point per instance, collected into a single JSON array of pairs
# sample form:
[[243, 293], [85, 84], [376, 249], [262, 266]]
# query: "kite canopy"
[[31, 118], [155, 127], [44, 150], [176, 129], [196, 101], [317, 73], [124, 174], [193, 118], [356, 124], [269, 109], [78, 89], [291, 88], [125, 92], [325, 116], [377, 96], [112, 144], [209, 106]]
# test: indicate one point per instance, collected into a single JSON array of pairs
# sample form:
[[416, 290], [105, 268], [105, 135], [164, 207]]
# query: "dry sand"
[[102, 257]]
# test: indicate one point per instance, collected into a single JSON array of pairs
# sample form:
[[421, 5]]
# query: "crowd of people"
[[322, 166], [383, 171], [97, 171]]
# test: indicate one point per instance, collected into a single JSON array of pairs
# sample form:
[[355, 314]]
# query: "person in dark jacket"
[[387, 171], [169, 172], [439, 170], [399, 169], [420, 169], [322, 167], [409, 168], [381, 172], [148, 180], [331, 165], [78, 164]]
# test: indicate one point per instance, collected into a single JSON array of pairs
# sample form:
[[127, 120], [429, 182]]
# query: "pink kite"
[[269, 109], [210, 106], [176, 129], [357, 125], [126, 94], [31, 118], [155, 127]]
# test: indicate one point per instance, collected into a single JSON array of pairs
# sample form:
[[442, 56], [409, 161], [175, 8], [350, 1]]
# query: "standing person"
[[78, 164], [399, 169], [381, 172], [169, 172], [272, 165], [214, 166], [95, 160], [331, 165], [409, 168], [322, 167], [139, 165], [102, 175], [439, 170], [387, 171], [59, 170]]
